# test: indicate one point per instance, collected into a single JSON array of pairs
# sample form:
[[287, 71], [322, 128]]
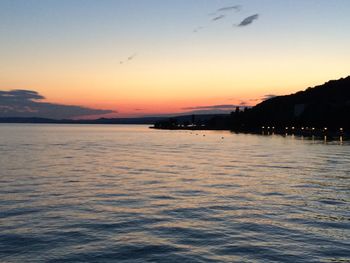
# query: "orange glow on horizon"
[[129, 60]]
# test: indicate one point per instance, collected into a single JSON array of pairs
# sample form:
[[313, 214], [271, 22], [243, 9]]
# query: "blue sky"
[[70, 51]]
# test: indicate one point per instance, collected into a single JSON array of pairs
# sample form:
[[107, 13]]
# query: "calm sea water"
[[131, 194]]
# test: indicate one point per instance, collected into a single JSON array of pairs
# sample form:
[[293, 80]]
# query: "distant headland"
[[317, 111]]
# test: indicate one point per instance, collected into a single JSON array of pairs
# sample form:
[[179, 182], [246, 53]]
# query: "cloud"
[[218, 18], [132, 57], [27, 103], [247, 21], [128, 59], [230, 8], [213, 107], [197, 29], [268, 96]]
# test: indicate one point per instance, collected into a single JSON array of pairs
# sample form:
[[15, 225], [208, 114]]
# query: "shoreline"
[[317, 134]]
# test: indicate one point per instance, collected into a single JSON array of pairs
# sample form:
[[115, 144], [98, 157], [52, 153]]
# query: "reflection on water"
[[131, 194]]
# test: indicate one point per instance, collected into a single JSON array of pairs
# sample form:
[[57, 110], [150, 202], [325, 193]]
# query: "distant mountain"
[[143, 120], [205, 112], [200, 118], [327, 105]]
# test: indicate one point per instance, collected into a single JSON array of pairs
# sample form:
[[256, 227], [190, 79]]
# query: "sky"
[[125, 58]]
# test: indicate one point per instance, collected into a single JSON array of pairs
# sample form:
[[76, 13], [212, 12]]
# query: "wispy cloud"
[[218, 18], [27, 103], [132, 57], [268, 96], [197, 29], [129, 58], [212, 107], [230, 8], [248, 20], [224, 11]]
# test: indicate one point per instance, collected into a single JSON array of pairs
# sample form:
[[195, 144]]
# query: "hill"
[[326, 105]]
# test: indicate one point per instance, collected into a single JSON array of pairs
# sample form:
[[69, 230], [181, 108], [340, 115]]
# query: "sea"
[[119, 193]]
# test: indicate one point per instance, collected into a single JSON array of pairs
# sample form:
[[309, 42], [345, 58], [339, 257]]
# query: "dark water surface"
[[130, 194]]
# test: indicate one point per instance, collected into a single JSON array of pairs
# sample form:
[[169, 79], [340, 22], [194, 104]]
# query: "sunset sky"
[[147, 57]]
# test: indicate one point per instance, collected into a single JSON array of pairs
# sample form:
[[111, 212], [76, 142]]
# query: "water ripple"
[[73, 193]]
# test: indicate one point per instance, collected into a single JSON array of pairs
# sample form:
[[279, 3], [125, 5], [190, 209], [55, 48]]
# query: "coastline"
[[313, 133]]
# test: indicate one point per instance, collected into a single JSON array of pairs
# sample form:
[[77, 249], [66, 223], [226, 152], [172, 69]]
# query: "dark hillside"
[[324, 106], [327, 105]]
